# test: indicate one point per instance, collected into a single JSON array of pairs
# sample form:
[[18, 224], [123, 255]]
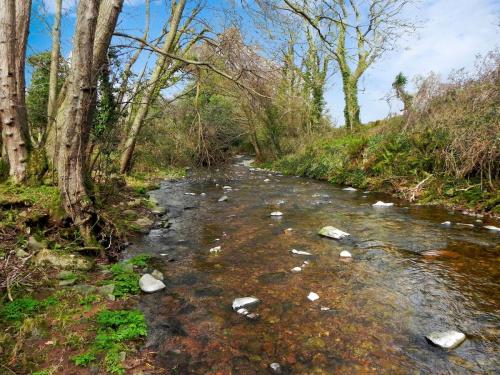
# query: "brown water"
[[419, 276]]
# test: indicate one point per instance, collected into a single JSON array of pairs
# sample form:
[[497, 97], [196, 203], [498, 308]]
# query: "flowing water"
[[409, 275]]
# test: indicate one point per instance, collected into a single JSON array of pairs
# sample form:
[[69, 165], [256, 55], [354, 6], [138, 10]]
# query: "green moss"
[[43, 196], [114, 328], [22, 308]]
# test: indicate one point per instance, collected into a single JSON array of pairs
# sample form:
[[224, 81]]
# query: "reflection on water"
[[409, 276]]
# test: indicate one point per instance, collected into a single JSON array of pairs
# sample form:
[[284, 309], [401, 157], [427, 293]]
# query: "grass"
[[382, 157], [125, 280], [114, 329]]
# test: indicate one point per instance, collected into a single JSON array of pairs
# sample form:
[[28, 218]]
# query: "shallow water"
[[409, 276]]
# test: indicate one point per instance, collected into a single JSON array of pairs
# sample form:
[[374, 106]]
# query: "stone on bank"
[[150, 284]]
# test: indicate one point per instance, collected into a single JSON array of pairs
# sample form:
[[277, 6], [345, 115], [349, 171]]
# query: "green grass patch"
[[21, 308], [114, 329]]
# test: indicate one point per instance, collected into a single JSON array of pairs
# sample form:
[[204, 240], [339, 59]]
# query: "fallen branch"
[[417, 188]]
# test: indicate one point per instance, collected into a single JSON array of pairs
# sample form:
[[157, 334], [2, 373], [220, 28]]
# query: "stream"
[[409, 275]]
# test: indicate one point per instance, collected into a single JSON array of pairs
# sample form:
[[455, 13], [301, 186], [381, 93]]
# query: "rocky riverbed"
[[377, 293]]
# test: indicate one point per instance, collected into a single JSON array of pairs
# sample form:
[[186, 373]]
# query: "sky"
[[450, 35]]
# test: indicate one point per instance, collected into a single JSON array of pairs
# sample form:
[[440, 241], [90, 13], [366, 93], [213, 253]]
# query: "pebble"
[[447, 339], [223, 198], [296, 269], [383, 204], [157, 275], [149, 284], [312, 296], [227, 187], [276, 213], [345, 254], [243, 302], [447, 223], [189, 193], [275, 367], [215, 250], [267, 180], [465, 225], [300, 252], [349, 189], [333, 232], [493, 228]]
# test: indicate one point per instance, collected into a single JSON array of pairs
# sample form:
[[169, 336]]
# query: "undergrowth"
[[114, 329]]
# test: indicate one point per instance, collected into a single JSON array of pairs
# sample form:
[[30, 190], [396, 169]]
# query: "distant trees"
[[356, 34]]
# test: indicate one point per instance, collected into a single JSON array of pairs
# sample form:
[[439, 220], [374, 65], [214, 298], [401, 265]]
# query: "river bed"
[[409, 275]]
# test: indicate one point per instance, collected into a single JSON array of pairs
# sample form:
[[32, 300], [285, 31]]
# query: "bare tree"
[[54, 62], [356, 33], [14, 26], [152, 87]]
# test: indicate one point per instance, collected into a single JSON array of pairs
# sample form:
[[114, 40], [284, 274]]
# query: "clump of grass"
[[115, 328], [22, 308], [125, 280]]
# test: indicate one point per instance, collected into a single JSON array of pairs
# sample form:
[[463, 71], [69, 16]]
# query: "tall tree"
[[96, 21], [14, 26], [356, 33], [152, 87], [54, 62]]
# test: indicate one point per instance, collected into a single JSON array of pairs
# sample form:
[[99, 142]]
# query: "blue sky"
[[451, 34]]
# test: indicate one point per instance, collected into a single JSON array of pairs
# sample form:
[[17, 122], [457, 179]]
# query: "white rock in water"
[[223, 198], [267, 180], [227, 187], [324, 308], [312, 296], [446, 223], [349, 189], [306, 262], [300, 252], [491, 227], [333, 232], [446, 340], [238, 303], [149, 284], [276, 213], [215, 250], [203, 194], [189, 193], [296, 269], [345, 254], [382, 204], [242, 311], [275, 367], [466, 224]]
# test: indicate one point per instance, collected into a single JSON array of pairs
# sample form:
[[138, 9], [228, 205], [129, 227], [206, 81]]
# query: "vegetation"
[[87, 137]]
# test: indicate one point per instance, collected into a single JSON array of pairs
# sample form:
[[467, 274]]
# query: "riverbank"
[[64, 309], [383, 157]]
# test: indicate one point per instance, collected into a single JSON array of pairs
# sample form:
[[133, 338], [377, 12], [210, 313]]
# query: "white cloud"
[[453, 33]]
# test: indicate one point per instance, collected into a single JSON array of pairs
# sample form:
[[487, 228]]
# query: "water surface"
[[409, 275]]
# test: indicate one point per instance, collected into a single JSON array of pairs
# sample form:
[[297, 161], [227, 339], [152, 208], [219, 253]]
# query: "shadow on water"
[[409, 275]]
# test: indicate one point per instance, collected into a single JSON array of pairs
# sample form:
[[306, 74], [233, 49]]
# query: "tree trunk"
[[351, 108], [54, 63], [109, 11], [12, 108], [151, 88], [75, 134], [93, 32]]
